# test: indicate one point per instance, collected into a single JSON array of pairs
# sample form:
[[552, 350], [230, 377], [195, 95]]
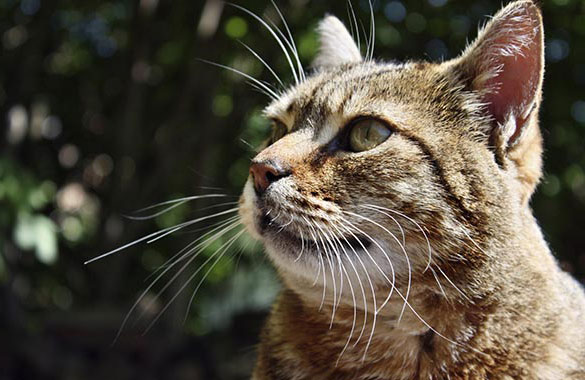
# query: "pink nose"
[[265, 173]]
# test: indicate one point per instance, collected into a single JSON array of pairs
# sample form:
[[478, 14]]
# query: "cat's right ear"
[[336, 46], [505, 66]]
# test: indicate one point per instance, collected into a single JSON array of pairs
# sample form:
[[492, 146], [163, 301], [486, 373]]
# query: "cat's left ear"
[[336, 46], [505, 66]]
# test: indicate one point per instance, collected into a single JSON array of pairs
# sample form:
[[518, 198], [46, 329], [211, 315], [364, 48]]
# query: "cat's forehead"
[[353, 90]]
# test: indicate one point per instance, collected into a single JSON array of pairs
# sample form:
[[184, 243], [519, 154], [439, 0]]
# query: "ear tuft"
[[336, 46], [505, 66]]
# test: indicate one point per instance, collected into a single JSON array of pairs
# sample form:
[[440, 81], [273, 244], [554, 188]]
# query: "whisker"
[[260, 90], [313, 235], [395, 222], [273, 33], [471, 239], [255, 81], [292, 43], [376, 309], [359, 280], [348, 14], [215, 188], [191, 222], [382, 250], [351, 290], [252, 148], [320, 263], [139, 240], [168, 268], [168, 304], [367, 42], [302, 244], [264, 63], [410, 307], [354, 316], [328, 257], [439, 283], [287, 224], [453, 284], [179, 255], [437, 332], [207, 274], [372, 42], [174, 203], [156, 235], [192, 250], [355, 22], [337, 256], [430, 250], [402, 247]]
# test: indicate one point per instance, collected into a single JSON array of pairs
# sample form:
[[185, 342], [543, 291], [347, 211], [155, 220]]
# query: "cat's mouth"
[[283, 236]]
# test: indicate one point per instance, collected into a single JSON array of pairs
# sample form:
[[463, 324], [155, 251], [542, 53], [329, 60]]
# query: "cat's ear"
[[505, 65], [336, 46]]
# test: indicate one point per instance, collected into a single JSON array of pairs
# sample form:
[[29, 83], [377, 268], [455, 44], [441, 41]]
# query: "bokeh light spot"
[[51, 127], [14, 37], [557, 50], [68, 156], [389, 35], [103, 165], [236, 27], [395, 11], [17, 124], [222, 105], [72, 229]]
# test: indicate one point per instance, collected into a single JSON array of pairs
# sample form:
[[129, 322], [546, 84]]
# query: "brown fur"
[[488, 300]]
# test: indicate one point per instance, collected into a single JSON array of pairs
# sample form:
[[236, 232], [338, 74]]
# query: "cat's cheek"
[[247, 210]]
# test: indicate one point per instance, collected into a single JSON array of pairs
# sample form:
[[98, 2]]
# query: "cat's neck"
[[416, 337], [398, 342]]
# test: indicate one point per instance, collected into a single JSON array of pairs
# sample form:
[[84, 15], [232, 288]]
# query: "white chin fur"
[[247, 210]]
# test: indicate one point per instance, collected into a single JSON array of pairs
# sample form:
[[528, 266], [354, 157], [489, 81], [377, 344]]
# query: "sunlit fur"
[[420, 258]]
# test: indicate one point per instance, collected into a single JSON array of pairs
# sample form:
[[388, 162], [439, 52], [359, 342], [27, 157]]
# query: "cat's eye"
[[367, 134], [278, 131]]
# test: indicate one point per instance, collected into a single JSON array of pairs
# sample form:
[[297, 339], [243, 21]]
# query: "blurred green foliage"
[[107, 108]]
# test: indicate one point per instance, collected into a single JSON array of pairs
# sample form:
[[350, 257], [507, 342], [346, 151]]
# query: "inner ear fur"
[[504, 66]]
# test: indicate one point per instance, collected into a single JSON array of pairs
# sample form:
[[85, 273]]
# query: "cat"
[[393, 200]]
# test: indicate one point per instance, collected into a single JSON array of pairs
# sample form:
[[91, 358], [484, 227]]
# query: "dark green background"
[[105, 109]]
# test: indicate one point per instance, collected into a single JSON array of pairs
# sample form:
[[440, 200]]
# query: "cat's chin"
[[284, 242]]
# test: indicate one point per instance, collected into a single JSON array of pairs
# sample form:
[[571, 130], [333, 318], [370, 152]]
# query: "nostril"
[[265, 173], [271, 177]]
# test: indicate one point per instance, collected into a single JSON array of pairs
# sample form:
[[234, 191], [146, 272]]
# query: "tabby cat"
[[393, 200]]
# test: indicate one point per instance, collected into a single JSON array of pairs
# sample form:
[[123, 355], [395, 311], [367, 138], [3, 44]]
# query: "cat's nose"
[[265, 173]]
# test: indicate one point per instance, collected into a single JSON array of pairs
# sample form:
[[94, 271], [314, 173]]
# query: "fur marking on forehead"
[[328, 90]]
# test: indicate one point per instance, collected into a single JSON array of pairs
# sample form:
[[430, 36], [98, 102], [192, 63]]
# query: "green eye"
[[367, 134], [278, 131]]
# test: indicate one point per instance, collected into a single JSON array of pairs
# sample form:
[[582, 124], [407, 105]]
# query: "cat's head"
[[389, 168]]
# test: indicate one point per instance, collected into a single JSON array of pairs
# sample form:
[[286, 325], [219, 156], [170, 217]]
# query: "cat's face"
[[329, 188], [386, 168]]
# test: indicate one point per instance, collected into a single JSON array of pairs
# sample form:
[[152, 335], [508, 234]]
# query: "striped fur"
[[429, 235]]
